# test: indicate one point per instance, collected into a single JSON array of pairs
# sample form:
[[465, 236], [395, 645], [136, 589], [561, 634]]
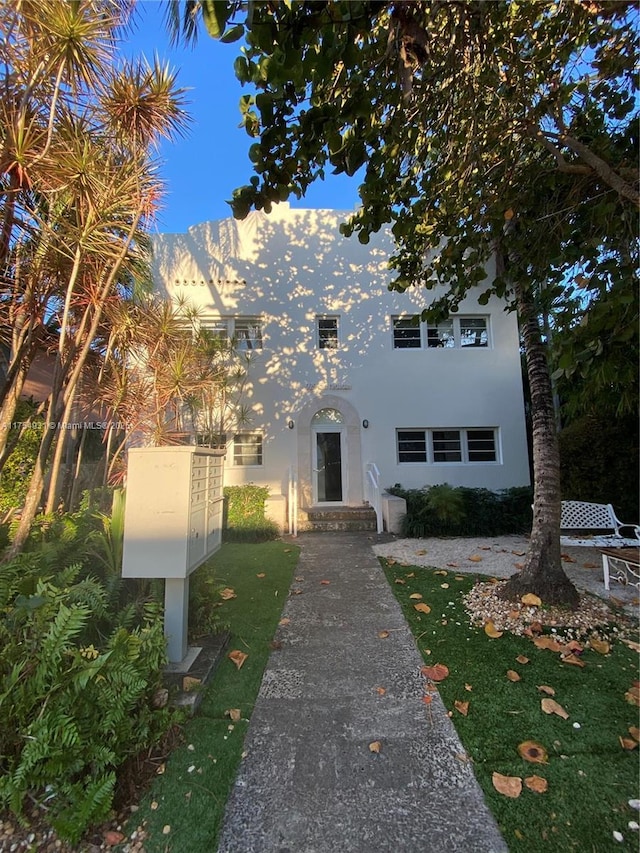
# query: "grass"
[[189, 796], [590, 776]]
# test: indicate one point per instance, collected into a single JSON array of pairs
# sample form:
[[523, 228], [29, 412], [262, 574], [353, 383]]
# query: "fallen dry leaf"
[[375, 746], [234, 713], [512, 675], [510, 786], [410, 575], [421, 552], [422, 607], [166, 829], [381, 691], [544, 688], [427, 699], [190, 682], [522, 659], [383, 635], [261, 575], [453, 566], [514, 614], [567, 558], [532, 751], [459, 577], [536, 784], [519, 553], [237, 657], [547, 642], [444, 585], [441, 572], [325, 583], [400, 581], [475, 558], [462, 707], [531, 600], [519, 566], [284, 621], [590, 566], [468, 687], [632, 645], [572, 659], [437, 672], [602, 647], [628, 743], [415, 595], [227, 594], [634, 731], [111, 837], [633, 695], [491, 630], [550, 706]]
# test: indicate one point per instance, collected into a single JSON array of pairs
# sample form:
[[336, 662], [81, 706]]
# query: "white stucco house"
[[341, 384]]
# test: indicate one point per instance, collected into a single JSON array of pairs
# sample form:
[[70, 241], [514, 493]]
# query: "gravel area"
[[502, 556]]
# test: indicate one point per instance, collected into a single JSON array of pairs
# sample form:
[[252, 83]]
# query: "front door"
[[328, 468]]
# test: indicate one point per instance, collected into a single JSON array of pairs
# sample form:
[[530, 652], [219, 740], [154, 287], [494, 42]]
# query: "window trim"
[[225, 329], [463, 438]]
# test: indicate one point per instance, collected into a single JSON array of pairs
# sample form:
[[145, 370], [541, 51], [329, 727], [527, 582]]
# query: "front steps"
[[338, 518]]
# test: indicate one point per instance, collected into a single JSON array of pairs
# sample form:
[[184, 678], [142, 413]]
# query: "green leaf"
[[215, 14]]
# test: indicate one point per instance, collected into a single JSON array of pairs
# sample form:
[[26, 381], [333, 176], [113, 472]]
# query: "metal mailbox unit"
[[173, 523]]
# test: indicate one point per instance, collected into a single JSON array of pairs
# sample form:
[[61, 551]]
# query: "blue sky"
[[202, 169]]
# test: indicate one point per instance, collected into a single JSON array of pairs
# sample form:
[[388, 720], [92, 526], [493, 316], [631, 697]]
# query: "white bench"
[[583, 519]]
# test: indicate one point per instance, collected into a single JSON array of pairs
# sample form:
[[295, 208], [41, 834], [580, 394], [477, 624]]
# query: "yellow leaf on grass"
[[547, 642], [522, 659], [544, 688], [536, 784], [634, 731], [375, 746], [410, 575], [400, 581], [462, 707], [512, 675], [422, 607], [510, 786], [468, 687], [491, 630], [550, 706], [532, 751], [444, 585], [572, 659], [600, 646], [234, 714], [261, 575], [237, 657], [475, 558], [227, 594], [632, 645], [628, 743], [531, 600], [441, 572], [633, 695], [415, 595]]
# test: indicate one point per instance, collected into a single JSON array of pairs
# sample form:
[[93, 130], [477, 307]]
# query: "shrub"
[[444, 510], [244, 515], [71, 712]]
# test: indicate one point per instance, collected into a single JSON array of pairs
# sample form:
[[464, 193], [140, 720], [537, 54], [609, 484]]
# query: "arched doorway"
[[328, 457]]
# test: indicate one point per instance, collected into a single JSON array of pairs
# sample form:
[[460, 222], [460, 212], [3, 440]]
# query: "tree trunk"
[[542, 573]]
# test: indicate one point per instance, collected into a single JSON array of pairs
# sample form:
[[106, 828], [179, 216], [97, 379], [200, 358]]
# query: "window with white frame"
[[247, 448], [245, 332], [438, 446], [406, 333], [327, 332], [455, 333]]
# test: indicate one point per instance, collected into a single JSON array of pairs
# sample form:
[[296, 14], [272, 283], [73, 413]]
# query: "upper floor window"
[[436, 446], [454, 333], [245, 332], [327, 332]]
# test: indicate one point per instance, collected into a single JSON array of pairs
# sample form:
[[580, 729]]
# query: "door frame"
[[316, 429]]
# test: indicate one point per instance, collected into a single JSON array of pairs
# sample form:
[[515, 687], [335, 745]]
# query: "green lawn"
[[590, 776], [184, 809]]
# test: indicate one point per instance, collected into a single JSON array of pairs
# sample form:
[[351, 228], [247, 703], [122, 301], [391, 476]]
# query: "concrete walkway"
[[309, 782]]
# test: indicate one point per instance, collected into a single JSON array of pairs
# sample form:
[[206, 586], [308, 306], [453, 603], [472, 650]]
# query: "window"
[[247, 448], [327, 332], [216, 440], [437, 446], [406, 333], [454, 333], [412, 446], [246, 332]]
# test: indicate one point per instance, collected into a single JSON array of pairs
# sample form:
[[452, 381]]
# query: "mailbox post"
[[173, 523]]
